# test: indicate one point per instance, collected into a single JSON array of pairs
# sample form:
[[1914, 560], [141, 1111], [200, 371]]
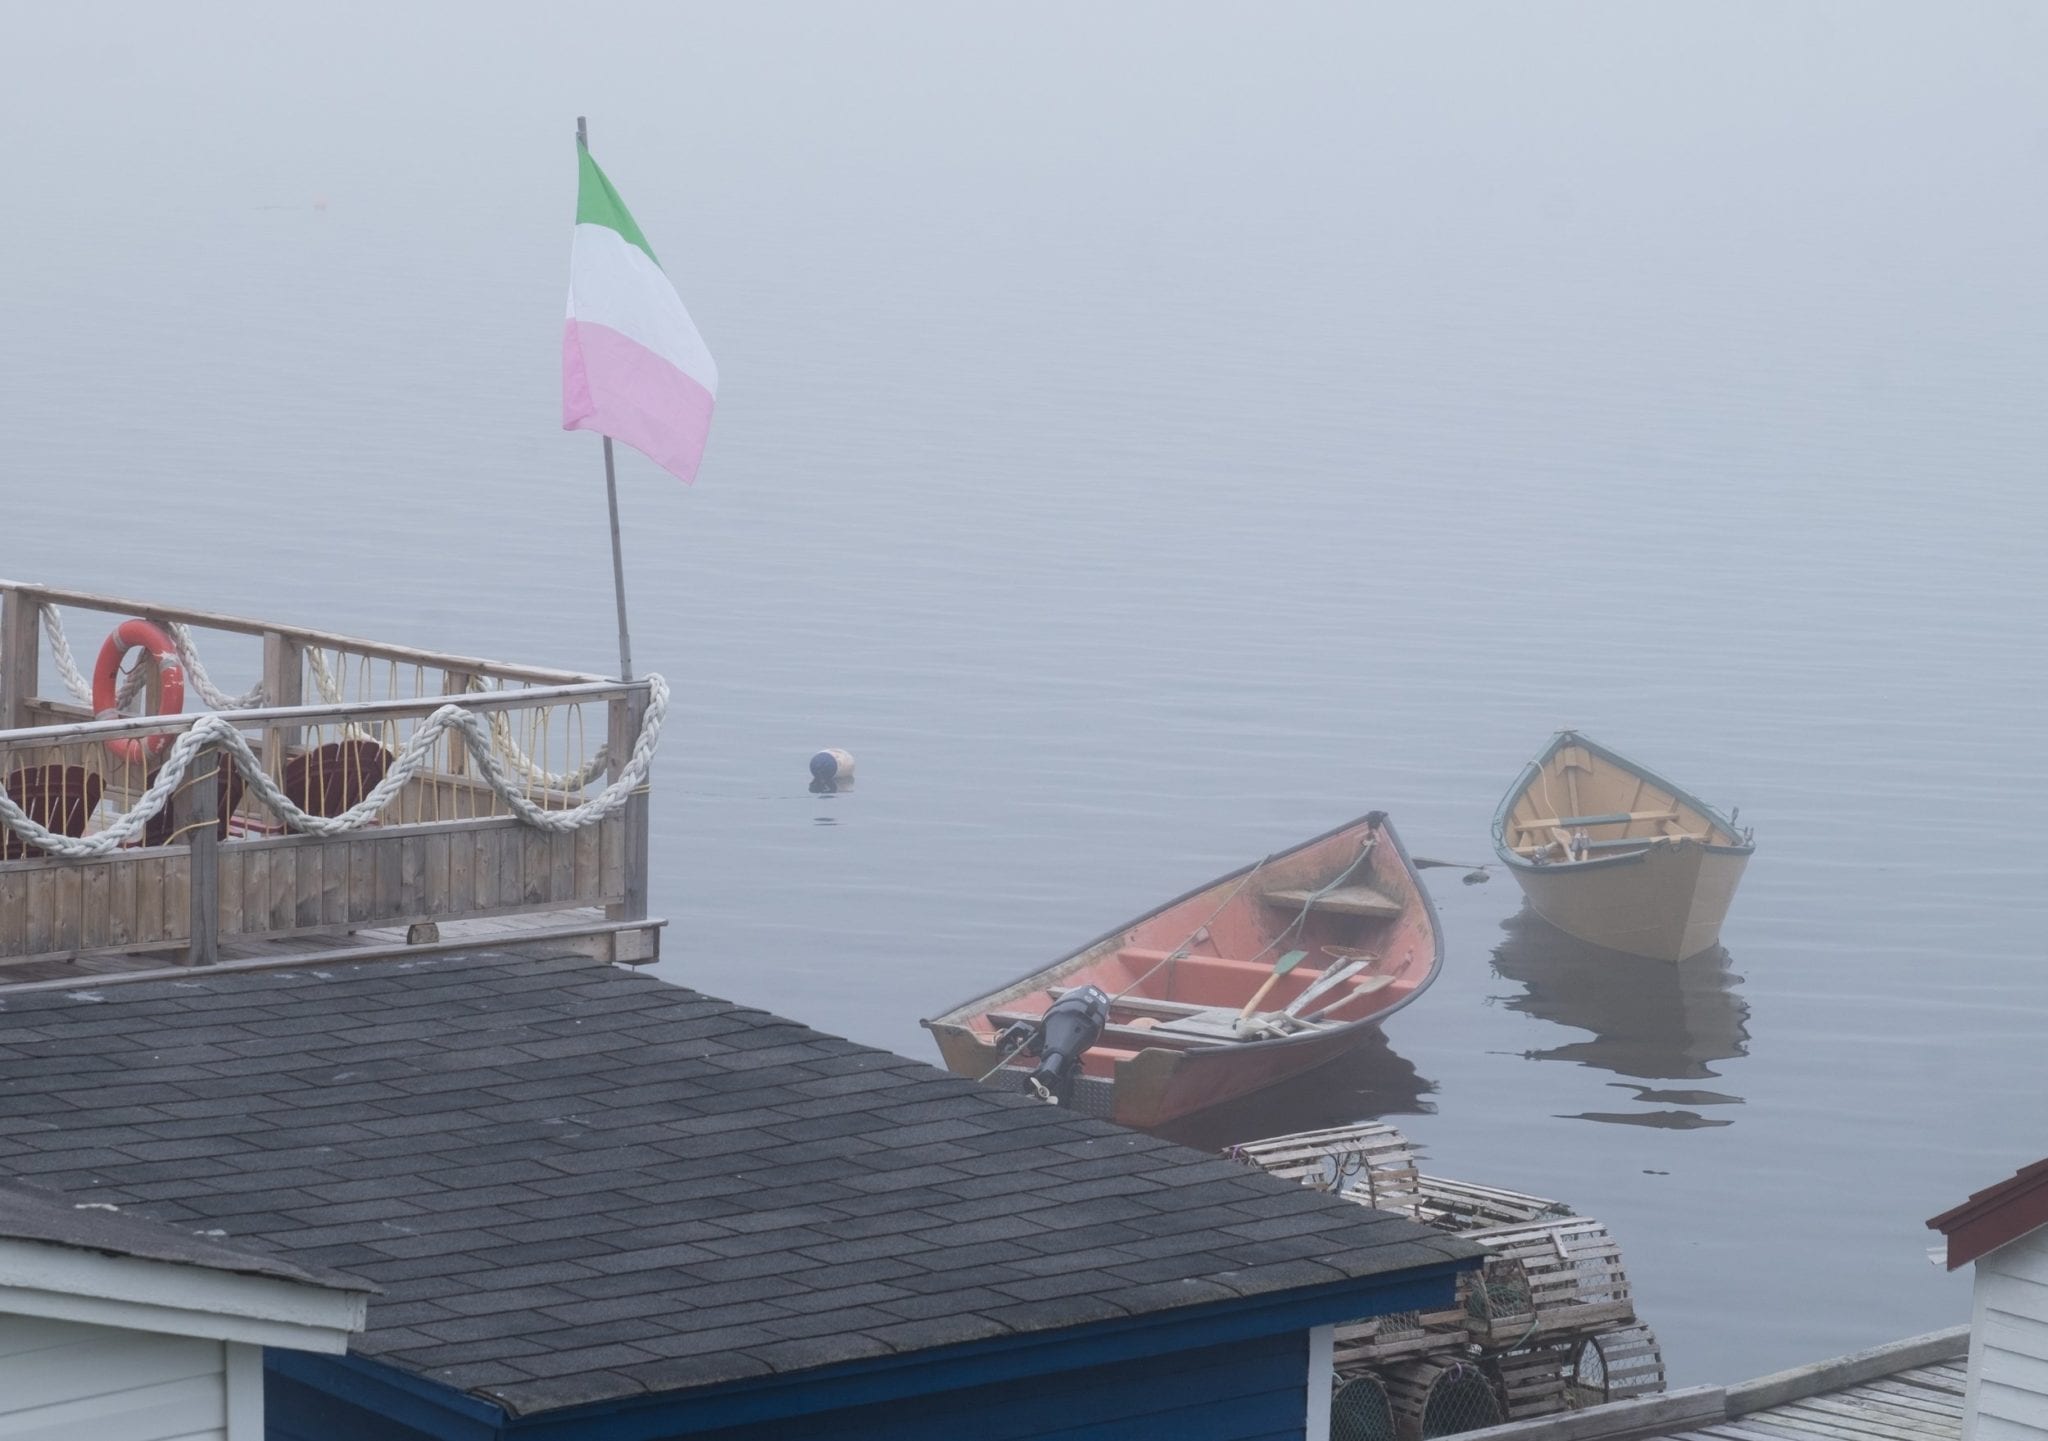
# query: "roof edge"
[[1996, 1215]]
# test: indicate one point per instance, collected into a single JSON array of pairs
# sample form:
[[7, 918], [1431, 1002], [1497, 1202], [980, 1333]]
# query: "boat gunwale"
[[1532, 769], [1221, 1048]]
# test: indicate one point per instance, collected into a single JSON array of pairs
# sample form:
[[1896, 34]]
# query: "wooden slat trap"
[[1548, 1323]]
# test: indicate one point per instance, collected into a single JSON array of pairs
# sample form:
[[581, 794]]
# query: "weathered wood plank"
[[511, 868], [13, 913], [42, 928], [69, 924], [561, 867], [312, 880], [588, 848], [459, 890], [334, 873], [412, 874], [614, 862], [256, 892], [20, 645], [197, 813], [384, 891], [232, 861], [535, 866], [362, 880], [177, 896], [435, 899], [242, 625], [625, 715]]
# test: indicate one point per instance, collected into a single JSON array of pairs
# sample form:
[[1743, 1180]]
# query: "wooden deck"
[[460, 852], [1909, 1390]]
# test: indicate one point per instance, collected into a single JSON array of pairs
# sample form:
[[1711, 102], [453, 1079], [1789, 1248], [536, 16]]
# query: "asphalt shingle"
[[575, 1183]]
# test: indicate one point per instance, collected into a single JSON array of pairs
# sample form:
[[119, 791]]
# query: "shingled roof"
[[576, 1183], [47, 1218]]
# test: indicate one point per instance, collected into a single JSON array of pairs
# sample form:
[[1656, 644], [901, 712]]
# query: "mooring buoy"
[[832, 766]]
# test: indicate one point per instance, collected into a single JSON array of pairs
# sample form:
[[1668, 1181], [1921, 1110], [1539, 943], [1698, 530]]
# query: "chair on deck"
[[162, 827], [58, 798], [330, 779]]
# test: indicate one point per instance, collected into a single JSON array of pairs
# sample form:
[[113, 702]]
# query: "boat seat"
[[333, 778], [161, 829], [1612, 818], [1144, 1005], [57, 798], [1626, 841], [1344, 901]]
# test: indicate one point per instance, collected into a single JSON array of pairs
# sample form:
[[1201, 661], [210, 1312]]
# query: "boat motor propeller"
[[1072, 1024]]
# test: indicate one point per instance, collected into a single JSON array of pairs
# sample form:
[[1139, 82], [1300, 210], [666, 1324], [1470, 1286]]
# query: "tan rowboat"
[[1616, 855]]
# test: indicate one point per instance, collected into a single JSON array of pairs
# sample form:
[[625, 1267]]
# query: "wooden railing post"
[[626, 713], [197, 814], [20, 645], [284, 684]]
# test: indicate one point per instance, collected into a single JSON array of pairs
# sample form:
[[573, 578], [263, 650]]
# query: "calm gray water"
[[1150, 438]]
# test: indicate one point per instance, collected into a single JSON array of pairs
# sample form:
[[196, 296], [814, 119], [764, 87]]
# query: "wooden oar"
[[1280, 968], [1336, 975], [1364, 988]]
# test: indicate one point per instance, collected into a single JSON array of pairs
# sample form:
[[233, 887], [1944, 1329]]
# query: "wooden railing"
[[446, 847]]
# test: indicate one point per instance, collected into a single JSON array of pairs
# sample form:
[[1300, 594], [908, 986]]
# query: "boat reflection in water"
[[1365, 1084], [1651, 1021]]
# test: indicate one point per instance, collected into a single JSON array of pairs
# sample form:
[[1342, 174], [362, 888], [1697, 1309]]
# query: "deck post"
[[197, 816], [284, 684], [627, 711], [20, 645]]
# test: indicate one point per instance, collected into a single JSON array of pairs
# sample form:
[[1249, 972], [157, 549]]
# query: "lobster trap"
[[1442, 1398], [1360, 1411], [1545, 1323]]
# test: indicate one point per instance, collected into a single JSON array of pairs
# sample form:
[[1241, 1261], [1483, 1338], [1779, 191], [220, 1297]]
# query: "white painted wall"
[[67, 1381], [2007, 1395], [1322, 1375]]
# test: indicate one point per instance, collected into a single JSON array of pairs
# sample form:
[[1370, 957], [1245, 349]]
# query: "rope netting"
[[509, 772]]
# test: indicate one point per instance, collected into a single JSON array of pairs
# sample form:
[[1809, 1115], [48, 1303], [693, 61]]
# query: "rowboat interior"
[[1580, 806], [1181, 978]]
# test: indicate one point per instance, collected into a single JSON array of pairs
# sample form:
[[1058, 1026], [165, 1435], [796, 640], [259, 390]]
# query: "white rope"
[[536, 776], [195, 672], [330, 689], [417, 756], [132, 684]]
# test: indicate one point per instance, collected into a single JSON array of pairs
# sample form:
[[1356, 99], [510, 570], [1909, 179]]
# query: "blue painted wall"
[[1243, 1392], [1246, 1391], [1230, 1371]]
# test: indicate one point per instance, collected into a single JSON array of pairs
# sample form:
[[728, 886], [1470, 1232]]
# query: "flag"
[[633, 365]]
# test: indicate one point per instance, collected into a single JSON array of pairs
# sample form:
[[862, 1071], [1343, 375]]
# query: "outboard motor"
[[1072, 1024]]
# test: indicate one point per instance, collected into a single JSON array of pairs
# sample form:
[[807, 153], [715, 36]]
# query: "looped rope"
[[536, 776], [417, 755], [132, 684]]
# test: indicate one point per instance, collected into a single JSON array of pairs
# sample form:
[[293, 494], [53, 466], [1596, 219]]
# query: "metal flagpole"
[[611, 496]]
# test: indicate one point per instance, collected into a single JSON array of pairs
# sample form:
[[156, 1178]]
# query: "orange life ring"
[[106, 676]]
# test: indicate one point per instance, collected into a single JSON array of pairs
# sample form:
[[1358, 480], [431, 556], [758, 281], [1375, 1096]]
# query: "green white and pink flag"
[[633, 365]]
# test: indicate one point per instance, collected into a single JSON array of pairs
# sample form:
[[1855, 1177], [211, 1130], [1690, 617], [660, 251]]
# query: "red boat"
[[1269, 972]]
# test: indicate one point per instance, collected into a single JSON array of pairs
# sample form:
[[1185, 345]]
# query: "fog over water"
[[1150, 435]]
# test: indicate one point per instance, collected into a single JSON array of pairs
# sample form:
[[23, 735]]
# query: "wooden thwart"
[[1343, 901]]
